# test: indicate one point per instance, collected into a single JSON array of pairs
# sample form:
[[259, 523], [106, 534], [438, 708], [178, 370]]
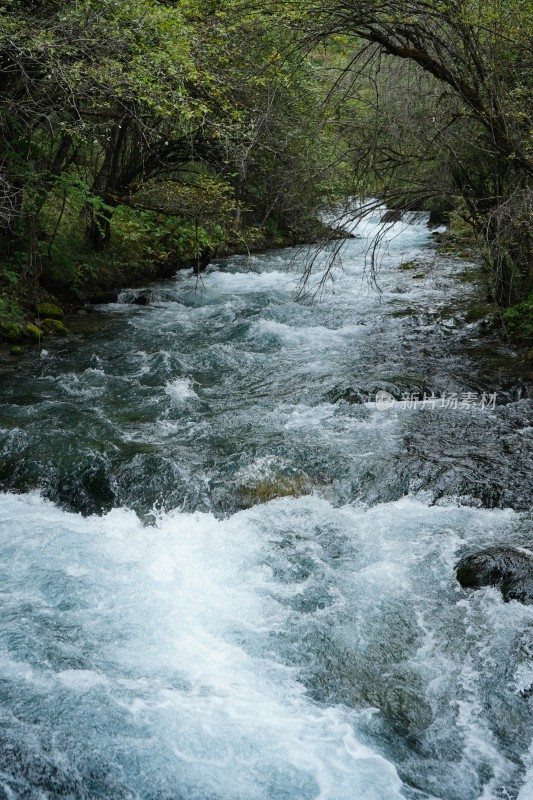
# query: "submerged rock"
[[405, 265], [508, 569]]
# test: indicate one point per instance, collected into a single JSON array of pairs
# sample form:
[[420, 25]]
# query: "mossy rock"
[[17, 350], [32, 333], [530, 355], [408, 265], [275, 487], [419, 275], [54, 327], [13, 333], [19, 334], [49, 311]]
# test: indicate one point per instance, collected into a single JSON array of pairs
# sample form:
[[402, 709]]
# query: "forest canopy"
[[137, 137]]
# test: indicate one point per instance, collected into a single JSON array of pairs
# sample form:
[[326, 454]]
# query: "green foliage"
[[518, 320], [142, 131], [138, 132], [11, 312], [440, 99], [149, 236]]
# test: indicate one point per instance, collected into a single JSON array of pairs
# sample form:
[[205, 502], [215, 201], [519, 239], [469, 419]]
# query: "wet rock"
[[49, 311], [54, 327], [405, 265], [141, 300], [32, 333], [438, 216], [87, 491], [275, 487], [19, 334], [503, 567], [392, 215], [519, 588], [354, 396]]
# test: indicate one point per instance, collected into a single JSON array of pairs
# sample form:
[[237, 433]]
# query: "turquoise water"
[[166, 636]]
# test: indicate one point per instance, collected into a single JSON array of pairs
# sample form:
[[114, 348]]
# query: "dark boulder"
[[392, 215], [438, 215], [519, 588], [504, 567], [141, 300]]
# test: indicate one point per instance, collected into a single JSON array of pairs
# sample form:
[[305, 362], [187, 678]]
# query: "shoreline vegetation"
[[63, 313], [27, 321], [140, 138]]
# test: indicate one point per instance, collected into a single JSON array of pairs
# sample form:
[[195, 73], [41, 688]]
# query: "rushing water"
[[172, 630]]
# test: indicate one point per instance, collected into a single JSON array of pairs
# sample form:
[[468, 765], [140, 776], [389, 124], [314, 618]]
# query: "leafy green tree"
[[480, 54]]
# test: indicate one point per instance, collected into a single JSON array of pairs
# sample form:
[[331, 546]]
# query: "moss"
[[32, 333], [408, 265], [13, 332], [54, 327], [419, 275], [530, 355], [18, 334], [272, 488], [49, 311], [17, 350]]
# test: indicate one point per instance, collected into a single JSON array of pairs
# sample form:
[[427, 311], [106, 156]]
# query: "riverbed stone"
[[12, 332], [21, 334], [54, 327], [405, 265], [32, 333], [439, 215], [520, 589], [141, 300], [49, 311], [392, 215], [506, 568]]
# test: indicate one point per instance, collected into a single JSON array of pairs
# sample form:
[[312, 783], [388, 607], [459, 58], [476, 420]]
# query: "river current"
[[226, 574]]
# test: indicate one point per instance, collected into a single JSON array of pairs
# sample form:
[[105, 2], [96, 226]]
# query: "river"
[[226, 574]]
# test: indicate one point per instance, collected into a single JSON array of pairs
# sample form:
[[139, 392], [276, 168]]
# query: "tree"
[[481, 55]]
